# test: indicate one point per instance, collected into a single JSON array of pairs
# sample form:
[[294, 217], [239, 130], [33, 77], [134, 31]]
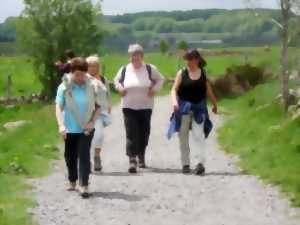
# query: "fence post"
[[9, 86]]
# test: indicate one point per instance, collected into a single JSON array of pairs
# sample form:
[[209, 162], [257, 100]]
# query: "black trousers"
[[77, 151], [137, 126]]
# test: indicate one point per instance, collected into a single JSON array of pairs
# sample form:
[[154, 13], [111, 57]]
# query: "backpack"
[[123, 74]]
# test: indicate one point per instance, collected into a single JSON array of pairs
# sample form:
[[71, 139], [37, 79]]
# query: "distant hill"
[[199, 28]]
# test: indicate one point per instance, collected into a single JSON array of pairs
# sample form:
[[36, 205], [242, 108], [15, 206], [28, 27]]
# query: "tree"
[[182, 45], [286, 9], [163, 46], [47, 28]]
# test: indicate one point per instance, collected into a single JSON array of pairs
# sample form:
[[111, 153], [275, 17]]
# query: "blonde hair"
[[93, 60]]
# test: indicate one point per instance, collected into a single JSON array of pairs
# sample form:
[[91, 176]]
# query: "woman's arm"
[[60, 121], [175, 89], [212, 97], [119, 87], [159, 80]]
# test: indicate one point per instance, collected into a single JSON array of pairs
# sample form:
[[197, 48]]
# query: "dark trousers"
[[77, 150], [137, 126]]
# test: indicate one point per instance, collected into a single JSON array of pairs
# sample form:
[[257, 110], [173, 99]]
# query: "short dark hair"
[[79, 64], [69, 53], [195, 54]]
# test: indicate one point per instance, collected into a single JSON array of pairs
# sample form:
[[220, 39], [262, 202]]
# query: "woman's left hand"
[[151, 92], [89, 126], [215, 109]]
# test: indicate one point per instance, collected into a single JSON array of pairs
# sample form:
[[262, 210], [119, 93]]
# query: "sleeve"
[[101, 94], [117, 83], [109, 97], [60, 97], [158, 78]]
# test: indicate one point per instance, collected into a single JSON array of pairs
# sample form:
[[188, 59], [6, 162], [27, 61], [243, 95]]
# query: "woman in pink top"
[[137, 83]]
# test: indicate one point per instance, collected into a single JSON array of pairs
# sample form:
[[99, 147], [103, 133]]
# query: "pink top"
[[137, 85]]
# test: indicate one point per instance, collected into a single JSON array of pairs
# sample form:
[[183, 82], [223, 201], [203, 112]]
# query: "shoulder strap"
[[149, 70], [122, 78], [103, 80]]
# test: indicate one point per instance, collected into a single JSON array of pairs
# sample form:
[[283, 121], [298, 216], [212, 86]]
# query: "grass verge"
[[24, 153], [265, 138]]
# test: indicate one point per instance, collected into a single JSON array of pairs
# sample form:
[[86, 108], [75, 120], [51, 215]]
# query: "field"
[[24, 81]]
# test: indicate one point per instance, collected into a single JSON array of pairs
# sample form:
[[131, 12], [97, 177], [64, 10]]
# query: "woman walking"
[[94, 69], [137, 83], [78, 104], [189, 94]]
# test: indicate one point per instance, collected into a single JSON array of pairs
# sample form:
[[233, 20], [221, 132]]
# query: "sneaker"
[[97, 164], [142, 163], [72, 186], [84, 193], [132, 166], [186, 169], [200, 170]]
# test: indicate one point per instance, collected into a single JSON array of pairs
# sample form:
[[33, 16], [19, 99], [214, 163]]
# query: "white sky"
[[14, 7]]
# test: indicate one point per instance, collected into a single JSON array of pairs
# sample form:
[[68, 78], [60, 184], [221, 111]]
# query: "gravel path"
[[161, 195]]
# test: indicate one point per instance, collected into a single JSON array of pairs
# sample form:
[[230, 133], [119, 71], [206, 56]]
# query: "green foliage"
[[48, 28], [163, 46], [182, 45]]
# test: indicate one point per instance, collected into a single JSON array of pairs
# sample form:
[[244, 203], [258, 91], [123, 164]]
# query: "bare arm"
[[212, 96], [158, 78], [60, 121], [175, 89]]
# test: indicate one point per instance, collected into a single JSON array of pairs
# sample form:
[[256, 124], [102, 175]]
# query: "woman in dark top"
[[189, 94]]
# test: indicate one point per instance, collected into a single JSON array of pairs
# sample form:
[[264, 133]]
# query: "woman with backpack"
[[137, 83], [94, 69], [189, 95], [78, 103]]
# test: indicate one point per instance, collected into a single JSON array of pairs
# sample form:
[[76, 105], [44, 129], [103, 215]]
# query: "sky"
[[111, 7]]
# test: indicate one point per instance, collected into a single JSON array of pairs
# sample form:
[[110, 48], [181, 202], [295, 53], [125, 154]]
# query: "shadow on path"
[[117, 195]]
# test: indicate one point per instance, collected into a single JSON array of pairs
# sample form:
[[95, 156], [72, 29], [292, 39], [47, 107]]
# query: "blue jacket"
[[200, 113]]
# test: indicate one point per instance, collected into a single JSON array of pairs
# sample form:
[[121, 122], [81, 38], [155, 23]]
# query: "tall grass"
[[265, 138]]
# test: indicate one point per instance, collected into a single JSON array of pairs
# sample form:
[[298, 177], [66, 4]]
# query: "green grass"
[[24, 153], [217, 65], [271, 153], [23, 80]]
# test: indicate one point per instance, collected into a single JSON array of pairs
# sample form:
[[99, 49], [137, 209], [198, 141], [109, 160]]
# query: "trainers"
[[97, 164], [142, 163], [72, 186], [186, 169], [84, 193], [132, 166], [200, 170]]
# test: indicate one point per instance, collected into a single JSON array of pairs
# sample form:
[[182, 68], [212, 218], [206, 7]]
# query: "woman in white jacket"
[[137, 83]]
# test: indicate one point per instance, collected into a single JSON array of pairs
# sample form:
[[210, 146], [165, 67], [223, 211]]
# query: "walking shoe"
[[186, 169], [72, 186], [132, 166], [84, 192], [142, 163], [97, 164], [200, 170]]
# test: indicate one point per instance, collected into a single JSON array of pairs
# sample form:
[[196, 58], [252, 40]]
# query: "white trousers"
[[198, 137], [98, 135]]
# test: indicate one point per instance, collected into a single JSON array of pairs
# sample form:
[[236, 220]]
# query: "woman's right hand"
[[175, 106], [122, 91], [63, 132]]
